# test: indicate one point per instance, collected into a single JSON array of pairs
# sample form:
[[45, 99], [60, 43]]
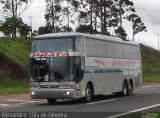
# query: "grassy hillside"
[[14, 59], [17, 50], [151, 64], [150, 59]]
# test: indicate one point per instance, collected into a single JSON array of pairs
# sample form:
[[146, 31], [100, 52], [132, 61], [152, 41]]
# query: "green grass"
[[150, 60], [150, 78], [14, 89], [150, 65], [16, 49], [10, 85]]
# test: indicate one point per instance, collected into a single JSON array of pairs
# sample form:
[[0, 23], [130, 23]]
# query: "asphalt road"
[[144, 103]]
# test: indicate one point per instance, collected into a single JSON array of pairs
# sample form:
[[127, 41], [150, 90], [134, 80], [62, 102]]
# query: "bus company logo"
[[52, 54], [123, 63], [99, 62]]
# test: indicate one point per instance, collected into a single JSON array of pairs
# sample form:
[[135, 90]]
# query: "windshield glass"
[[53, 45], [51, 69]]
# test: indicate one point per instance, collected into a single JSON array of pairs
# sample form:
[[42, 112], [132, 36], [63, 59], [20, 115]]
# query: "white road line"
[[150, 86], [28, 101], [145, 89], [22, 102], [17, 105], [133, 111], [5, 105], [147, 86], [100, 102]]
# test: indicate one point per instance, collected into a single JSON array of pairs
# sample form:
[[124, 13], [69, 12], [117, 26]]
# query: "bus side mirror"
[[78, 72]]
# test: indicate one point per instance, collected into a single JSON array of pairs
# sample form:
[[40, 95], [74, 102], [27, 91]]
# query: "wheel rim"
[[125, 91], [130, 89], [88, 94]]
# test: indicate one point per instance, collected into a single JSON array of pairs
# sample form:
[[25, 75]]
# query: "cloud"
[[149, 11]]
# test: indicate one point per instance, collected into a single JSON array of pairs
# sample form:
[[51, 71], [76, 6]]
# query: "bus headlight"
[[67, 93], [33, 93]]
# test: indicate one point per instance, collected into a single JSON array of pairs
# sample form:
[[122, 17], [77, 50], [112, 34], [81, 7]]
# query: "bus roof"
[[93, 36]]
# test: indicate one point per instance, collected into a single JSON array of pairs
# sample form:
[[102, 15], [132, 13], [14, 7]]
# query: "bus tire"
[[89, 93], [125, 89], [51, 101], [130, 88]]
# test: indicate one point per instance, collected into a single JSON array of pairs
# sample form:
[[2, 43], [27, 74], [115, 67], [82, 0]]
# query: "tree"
[[84, 29], [120, 32], [105, 14], [12, 24], [83, 18], [53, 13], [44, 30], [60, 15], [24, 30], [14, 8], [35, 33], [120, 9], [137, 25]]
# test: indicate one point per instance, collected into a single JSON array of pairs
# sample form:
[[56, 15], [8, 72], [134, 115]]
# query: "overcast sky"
[[148, 10]]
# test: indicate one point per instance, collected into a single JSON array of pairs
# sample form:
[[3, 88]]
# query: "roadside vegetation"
[[10, 85], [150, 64], [14, 59]]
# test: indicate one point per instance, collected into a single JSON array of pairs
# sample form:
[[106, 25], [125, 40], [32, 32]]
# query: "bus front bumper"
[[55, 93]]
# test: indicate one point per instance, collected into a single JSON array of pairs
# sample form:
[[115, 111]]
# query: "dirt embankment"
[[11, 68]]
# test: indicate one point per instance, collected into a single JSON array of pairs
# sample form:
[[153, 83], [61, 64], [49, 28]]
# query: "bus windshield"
[[53, 45]]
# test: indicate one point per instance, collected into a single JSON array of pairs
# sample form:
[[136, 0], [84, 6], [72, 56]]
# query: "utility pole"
[[30, 17], [158, 42]]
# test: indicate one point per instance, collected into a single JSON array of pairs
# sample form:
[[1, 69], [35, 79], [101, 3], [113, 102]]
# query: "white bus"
[[78, 65]]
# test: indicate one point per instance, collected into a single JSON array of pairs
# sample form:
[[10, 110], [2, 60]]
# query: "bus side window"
[[79, 44]]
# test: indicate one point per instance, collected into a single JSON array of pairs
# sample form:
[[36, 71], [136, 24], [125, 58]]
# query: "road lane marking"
[[145, 89], [5, 105], [17, 105], [100, 101], [28, 101], [133, 111], [22, 103], [150, 86]]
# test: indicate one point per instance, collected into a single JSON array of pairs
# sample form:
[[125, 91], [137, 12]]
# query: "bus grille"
[[49, 86]]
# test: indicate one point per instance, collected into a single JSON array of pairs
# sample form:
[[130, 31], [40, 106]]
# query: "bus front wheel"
[[51, 101], [89, 93]]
